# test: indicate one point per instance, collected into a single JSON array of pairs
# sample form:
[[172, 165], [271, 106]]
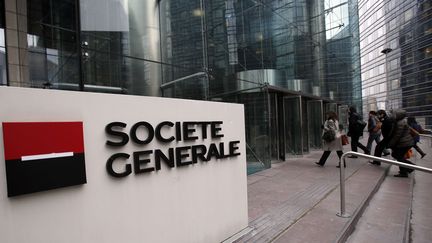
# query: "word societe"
[[167, 132]]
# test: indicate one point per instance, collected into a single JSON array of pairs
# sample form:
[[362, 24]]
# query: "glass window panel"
[[409, 14], [381, 69], [394, 43], [395, 84], [392, 24], [120, 40], [380, 13], [407, 59], [52, 44], [293, 131], [428, 52], [336, 17], [314, 114], [394, 64], [382, 87]]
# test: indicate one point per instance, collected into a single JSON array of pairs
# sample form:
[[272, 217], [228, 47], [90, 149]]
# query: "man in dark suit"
[[386, 129], [355, 131]]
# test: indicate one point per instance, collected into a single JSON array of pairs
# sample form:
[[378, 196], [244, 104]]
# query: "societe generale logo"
[[41, 156]]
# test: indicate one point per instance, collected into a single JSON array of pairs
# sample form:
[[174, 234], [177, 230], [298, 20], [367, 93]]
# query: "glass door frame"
[[321, 113], [299, 100]]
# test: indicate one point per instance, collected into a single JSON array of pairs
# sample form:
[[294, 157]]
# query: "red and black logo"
[[43, 155]]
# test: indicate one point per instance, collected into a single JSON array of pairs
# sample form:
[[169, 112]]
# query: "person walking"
[[355, 131], [418, 130], [387, 123], [374, 129], [331, 138], [401, 141]]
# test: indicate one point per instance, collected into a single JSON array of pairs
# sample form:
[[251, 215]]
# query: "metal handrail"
[[425, 135], [342, 213]]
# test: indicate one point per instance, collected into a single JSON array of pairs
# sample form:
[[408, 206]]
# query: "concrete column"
[[16, 43]]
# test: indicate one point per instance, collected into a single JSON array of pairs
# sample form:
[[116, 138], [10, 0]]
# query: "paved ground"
[[297, 201], [386, 216], [421, 220]]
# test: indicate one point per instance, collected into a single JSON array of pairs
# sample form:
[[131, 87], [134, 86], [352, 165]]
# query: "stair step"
[[421, 218], [322, 225], [386, 218], [310, 216]]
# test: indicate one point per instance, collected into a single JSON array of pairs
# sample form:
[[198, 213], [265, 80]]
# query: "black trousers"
[[419, 150], [379, 149], [326, 154], [355, 143], [399, 155]]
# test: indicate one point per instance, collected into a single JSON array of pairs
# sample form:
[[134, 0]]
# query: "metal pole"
[[342, 213], [204, 50]]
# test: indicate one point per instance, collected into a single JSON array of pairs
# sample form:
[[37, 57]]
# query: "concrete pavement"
[[297, 201]]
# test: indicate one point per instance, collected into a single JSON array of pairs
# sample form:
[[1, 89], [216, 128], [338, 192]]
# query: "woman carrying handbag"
[[332, 138]]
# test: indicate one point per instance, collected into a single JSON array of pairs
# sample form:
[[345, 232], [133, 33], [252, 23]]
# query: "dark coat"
[[387, 128], [353, 125], [400, 136]]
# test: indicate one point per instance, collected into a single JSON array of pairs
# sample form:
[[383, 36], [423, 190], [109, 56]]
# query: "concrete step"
[[321, 224], [421, 216], [386, 218], [401, 210], [309, 215]]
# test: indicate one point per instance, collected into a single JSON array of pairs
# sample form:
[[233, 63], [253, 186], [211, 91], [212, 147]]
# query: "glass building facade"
[[396, 45], [287, 61]]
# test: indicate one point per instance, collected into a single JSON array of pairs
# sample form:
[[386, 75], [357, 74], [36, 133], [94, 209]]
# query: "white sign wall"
[[200, 202]]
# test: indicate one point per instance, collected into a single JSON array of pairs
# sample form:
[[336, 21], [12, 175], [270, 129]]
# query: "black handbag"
[[329, 135]]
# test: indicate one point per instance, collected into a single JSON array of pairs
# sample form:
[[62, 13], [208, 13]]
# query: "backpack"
[[360, 125], [378, 125]]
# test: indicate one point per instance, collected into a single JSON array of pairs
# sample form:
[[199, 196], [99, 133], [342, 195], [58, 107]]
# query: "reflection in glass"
[[304, 125], [121, 47], [183, 39], [226, 48], [336, 17], [315, 121], [274, 128], [293, 126], [256, 127], [52, 44]]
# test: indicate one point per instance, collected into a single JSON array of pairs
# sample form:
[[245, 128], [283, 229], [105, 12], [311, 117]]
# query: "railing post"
[[342, 213]]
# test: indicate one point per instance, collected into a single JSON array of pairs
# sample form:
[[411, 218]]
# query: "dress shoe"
[[401, 175], [367, 152], [423, 155], [386, 154], [318, 163]]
